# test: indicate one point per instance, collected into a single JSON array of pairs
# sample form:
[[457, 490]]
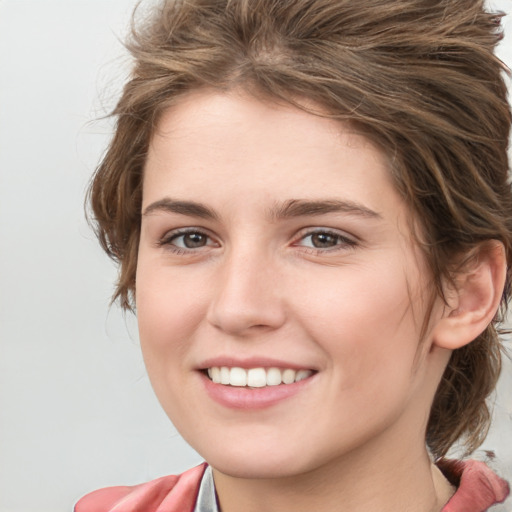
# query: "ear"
[[474, 298]]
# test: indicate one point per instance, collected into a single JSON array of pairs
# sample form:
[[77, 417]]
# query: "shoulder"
[[173, 493], [478, 487]]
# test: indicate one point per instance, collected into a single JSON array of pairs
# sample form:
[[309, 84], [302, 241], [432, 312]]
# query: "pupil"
[[193, 240], [322, 240]]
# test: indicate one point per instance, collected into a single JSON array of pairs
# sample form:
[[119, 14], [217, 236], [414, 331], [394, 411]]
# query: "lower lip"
[[252, 398]]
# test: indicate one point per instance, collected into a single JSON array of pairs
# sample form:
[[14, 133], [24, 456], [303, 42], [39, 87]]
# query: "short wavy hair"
[[418, 76]]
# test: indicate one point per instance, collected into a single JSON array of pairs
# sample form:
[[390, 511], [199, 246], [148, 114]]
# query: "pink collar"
[[478, 487]]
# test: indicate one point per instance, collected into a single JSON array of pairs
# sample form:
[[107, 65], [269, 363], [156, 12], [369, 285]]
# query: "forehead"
[[211, 137], [200, 109]]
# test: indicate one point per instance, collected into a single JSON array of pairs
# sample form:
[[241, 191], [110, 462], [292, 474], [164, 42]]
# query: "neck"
[[401, 482]]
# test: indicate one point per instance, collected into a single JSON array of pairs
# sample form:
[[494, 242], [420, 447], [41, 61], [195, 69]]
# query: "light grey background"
[[76, 408]]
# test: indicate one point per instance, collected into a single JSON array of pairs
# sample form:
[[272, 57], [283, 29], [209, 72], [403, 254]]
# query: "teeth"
[[224, 375], [289, 376], [238, 377], [302, 374], [215, 375], [274, 377], [256, 377]]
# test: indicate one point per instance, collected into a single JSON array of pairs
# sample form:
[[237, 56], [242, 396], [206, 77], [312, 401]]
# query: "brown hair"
[[418, 76]]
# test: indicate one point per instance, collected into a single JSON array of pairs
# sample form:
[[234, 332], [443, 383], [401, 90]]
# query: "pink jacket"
[[478, 489]]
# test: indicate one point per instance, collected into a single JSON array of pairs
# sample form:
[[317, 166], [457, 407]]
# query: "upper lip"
[[251, 362]]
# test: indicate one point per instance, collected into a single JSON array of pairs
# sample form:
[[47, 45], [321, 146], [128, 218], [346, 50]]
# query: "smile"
[[255, 377]]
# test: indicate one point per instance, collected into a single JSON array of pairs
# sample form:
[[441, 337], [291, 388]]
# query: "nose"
[[247, 297]]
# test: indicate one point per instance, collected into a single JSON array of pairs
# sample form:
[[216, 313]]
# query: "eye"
[[187, 240], [323, 239], [190, 240]]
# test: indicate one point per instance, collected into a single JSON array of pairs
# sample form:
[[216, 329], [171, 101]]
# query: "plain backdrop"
[[76, 408]]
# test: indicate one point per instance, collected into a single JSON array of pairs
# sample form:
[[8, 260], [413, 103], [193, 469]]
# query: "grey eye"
[[192, 240], [324, 240]]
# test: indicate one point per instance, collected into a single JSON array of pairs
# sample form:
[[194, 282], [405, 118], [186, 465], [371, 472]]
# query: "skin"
[[256, 282]]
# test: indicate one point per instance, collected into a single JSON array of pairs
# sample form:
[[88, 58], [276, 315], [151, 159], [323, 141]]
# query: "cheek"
[[168, 313], [367, 323], [169, 309]]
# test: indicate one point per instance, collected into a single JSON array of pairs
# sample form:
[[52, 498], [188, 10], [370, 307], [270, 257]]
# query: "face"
[[279, 295]]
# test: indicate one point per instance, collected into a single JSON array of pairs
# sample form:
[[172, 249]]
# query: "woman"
[[310, 208]]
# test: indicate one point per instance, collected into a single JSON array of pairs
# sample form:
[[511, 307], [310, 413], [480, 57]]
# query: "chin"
[[254, 469], [259, 463]]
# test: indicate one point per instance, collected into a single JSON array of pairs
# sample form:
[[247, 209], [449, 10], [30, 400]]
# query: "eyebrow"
[[303, 208], [189, 208], [289, 209]]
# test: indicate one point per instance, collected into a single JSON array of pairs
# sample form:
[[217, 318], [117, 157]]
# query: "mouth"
[[256, 377]]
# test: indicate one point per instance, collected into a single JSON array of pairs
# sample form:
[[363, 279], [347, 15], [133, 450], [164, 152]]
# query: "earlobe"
[[475, 298]]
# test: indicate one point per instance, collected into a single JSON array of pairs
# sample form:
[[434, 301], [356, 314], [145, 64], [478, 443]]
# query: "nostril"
[[244, 321], [245, 302]]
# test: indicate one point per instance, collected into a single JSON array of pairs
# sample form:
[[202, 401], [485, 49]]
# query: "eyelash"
[[169, 238], [343, 242]]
